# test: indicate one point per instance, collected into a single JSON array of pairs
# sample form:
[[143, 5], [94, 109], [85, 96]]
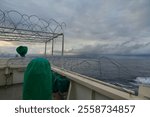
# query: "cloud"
[[95, 26], [125, 48]]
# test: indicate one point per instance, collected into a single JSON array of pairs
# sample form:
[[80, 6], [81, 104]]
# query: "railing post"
[[52, 46], [45, 48], [62, 53], [62, 45]]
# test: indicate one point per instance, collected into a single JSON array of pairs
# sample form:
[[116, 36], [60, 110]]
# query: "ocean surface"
[[125, 71]]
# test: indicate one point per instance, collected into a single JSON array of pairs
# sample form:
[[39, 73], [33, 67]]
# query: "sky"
[[92, 26]]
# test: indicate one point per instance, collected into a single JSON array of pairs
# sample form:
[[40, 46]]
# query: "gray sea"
[[125, 71]]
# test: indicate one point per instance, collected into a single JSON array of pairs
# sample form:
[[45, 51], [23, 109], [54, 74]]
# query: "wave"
[[143, 80]]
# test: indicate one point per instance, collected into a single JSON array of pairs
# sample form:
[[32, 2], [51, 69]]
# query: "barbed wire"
[[15, 26], [103, 68]]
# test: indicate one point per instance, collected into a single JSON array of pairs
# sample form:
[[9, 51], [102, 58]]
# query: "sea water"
[[125, 71]]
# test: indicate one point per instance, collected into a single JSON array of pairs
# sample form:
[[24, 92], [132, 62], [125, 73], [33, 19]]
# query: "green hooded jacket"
[[38, 80]]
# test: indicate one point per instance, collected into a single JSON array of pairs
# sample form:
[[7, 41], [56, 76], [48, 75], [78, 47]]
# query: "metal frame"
[[15, 26]]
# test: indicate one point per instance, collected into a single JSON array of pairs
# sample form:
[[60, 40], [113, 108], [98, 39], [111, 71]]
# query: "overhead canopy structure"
[[15, 26]]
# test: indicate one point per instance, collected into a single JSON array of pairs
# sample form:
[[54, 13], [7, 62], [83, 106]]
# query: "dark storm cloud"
[[125, 23], [123, 49]]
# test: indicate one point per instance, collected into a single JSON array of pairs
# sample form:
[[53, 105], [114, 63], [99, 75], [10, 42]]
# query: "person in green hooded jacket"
[[38, 80]]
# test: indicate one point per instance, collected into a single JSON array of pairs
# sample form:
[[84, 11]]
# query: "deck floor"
[[12, 92]]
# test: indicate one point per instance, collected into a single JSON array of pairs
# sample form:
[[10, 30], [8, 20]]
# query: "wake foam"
[[143, 80]]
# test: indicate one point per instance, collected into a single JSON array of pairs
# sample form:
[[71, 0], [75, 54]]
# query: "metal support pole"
[[62, 53], [52, 46], [45, 48]]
